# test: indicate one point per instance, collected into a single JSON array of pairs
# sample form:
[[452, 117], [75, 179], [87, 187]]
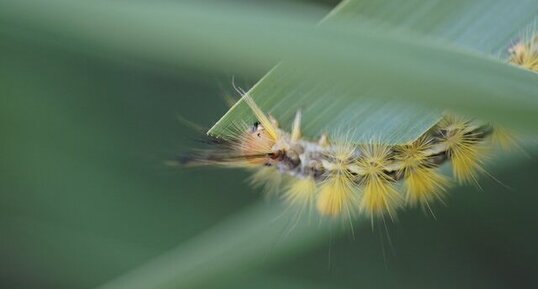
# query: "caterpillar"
[[525, 53], [340, 178]]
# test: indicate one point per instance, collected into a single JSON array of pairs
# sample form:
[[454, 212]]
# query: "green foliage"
[[382, 83], [89, 93]]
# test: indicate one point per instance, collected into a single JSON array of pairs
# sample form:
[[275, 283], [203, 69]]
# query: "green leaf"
[[367, 111], [350, 60], [428, 72], [262, 234]]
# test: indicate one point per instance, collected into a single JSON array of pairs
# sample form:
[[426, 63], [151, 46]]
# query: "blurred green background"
[[85, 196]]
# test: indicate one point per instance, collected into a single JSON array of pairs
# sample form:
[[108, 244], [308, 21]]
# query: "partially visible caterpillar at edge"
[[341, 178], [525, 53]]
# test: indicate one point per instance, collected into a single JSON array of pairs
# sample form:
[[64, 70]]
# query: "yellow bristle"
[[268, 178], [423, 183], [274, 121], [244, 141], [324, 141], [504, 138], [267, 124], [379, 197], [414, 155], [336, 196], [423, 186], [467, 159], [301, 191], [466, 151], [525, 54], [296, 127]]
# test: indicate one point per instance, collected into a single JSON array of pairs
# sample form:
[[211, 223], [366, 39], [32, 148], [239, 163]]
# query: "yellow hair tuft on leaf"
[[423, 186], [379, 196], [525, 54], [422, 181], [336, 196], [465, 149], [504, 138], [301, 191], [268, 178], [296, 127]]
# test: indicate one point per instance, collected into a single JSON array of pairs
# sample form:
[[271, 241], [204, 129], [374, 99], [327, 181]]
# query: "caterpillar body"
[[525, 53], [342, 178]]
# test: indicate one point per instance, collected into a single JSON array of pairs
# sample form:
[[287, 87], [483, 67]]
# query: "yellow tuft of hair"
[[267, 124], [296, 127], [336, 196], [423, 183], [301, 191], [379, 196], [466, 151], [504, 138], [423, 186], [324, 141], [267, 178], [525, 54]]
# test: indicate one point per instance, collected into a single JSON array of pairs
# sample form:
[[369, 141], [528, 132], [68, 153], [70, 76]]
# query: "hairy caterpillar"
[[341, 177], [525, 53]]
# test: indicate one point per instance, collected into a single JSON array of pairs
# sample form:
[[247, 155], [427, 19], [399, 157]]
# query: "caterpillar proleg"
[[342, 178]]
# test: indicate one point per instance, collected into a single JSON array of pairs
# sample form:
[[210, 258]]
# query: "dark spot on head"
[[255, 126]]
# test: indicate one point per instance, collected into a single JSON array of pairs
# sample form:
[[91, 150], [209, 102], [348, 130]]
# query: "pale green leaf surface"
[[366, 59], [489, 28], [250, 230], [281, 94], [261, 235]]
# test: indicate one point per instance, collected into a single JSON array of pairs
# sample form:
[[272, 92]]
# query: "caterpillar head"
[[247, 146], [258, 141]]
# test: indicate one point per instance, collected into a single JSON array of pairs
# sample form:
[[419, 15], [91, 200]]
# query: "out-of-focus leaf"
[[357, 59], [362, 111], [261, 235], [191, 35]]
